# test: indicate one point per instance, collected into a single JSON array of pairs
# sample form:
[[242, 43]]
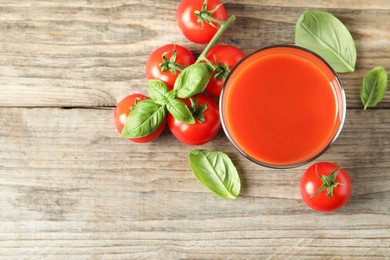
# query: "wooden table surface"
[[70, 188]]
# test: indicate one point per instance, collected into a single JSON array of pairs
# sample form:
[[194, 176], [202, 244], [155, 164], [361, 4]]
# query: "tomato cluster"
[[199, 21]]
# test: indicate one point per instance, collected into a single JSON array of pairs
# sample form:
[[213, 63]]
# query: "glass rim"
[[343, 108]]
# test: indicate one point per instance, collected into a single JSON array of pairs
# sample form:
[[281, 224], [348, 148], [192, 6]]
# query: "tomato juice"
[[282, 106]]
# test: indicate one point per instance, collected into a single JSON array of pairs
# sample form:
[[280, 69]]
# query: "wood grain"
[[71, 188], [93, 53]]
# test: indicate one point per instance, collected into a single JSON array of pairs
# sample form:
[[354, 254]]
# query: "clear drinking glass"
[[282, 106]]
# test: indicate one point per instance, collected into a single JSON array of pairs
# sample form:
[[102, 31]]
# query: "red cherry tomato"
[[315, 182], [168, 69], [198, 133], [123, 110], [225, 57], [189, 25]]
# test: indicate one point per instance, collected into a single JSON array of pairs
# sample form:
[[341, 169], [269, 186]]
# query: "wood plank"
[[71, 188], [93, 53], [347, 4]]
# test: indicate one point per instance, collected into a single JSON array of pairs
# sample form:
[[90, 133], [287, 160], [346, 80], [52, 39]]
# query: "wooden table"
[[70, 188]]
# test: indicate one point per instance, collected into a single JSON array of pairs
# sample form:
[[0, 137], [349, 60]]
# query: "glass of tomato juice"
[[282, 106]]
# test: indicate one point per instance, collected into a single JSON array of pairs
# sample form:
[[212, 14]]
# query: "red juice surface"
[[282, 106]]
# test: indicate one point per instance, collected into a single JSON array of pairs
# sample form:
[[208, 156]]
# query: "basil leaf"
[[145, 117], [374, 87], [193, 80], [216, 171], [157, 90], [180, 111], [323, 33]]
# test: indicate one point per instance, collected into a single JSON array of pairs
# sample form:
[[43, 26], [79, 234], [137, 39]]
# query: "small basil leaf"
[[180, 111], [157, 90], [145, 117], [216, 171], [324, 34], [374, 87], [193, 80]]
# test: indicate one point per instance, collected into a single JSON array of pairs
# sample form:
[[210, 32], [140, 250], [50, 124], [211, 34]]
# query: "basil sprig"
[[324, 34], [147, 115], [374, 87], [217, 172]]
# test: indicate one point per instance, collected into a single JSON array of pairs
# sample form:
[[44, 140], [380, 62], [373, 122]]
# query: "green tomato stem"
[[213, 20], [328, 183], [221, 30]]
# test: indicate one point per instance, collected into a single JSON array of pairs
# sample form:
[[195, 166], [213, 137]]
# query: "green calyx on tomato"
[[198, 110], [329, 183], [170, 64], [221, 71], [205, 16]]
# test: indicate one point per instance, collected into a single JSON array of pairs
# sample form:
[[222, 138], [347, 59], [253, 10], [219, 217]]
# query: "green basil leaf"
[[216, 171], [180, 111], [193, 80], [157, 90], [324, 34], [145, 117], [374, 87]]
